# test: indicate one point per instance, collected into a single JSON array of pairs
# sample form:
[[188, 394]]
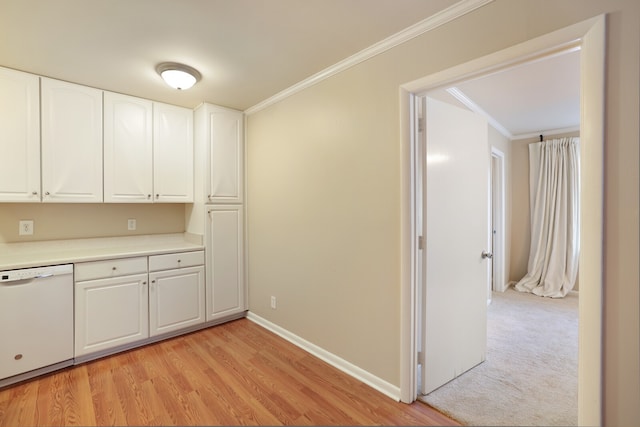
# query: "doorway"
[[589, 35], [498, 230]]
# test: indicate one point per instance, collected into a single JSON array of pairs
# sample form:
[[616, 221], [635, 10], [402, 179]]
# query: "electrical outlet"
[[26, 228], [273, 302], [131, 224]]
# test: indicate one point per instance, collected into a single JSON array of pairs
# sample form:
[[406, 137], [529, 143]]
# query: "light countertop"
[[52, 252]]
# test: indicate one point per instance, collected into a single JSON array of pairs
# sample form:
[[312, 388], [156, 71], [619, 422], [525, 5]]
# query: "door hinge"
[[420, 242], [420, 358], [420, 124]]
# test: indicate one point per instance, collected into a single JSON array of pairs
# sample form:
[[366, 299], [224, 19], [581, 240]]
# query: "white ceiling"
[[540, 97], [250, 50], [246, 50]]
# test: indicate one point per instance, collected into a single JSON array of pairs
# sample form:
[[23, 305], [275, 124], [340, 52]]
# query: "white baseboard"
[[360, 374]]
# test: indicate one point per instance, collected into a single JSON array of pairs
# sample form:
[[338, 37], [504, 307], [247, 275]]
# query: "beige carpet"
[[530, 377]]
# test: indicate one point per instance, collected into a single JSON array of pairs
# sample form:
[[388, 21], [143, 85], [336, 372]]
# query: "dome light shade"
[[178, 76]]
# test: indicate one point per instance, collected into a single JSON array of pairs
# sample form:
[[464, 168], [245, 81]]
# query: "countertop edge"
[[53, 252]]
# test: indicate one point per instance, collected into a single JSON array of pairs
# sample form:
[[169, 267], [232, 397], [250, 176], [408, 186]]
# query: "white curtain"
[[554, 185]]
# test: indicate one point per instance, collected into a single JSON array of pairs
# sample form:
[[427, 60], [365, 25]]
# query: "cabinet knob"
[[148, 196], [157, 196], [114, 268], [47, 193], [35, 193], [17, 356]]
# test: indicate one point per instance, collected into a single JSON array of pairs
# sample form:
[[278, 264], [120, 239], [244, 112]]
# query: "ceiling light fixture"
[[178, 76]]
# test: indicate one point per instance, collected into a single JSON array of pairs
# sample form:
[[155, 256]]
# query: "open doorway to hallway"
[[589, 35]]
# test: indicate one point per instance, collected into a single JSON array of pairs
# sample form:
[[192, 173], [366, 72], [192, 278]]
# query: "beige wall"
[[520, 210], [76, 221], [324, 185]]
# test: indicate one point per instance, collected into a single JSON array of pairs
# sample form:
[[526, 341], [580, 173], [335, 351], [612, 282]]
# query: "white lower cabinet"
[[122, 301], [111, 304], [225, 266], [176, 292]]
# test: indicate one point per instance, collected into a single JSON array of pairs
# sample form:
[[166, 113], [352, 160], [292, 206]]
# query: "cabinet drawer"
[[177, 260], [110, 268]]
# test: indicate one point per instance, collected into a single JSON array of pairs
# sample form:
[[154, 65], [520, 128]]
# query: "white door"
[[225, 156], [172, 153], [71, 142], [19, 136], [110, 312], [457, 233], [128, 149], [224, 264], [176, 299]]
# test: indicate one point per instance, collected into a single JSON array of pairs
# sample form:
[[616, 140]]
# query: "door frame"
[[498, 221], [589, 35]]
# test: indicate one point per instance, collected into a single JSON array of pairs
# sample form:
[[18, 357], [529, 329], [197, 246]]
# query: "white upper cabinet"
[[71, 142], [19, 136], [172, 153], [62, 142], [128, 149], [221, 131]]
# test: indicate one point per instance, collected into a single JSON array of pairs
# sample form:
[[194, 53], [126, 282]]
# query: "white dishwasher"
[[36, 321]]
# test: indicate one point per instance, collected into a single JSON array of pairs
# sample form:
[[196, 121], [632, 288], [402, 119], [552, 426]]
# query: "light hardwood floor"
[[237, 373]]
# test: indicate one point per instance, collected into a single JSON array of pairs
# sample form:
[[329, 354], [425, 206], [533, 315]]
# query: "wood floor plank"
[[237, 373]]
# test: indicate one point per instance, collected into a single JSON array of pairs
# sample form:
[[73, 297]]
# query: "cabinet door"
[[71, 142], [225, 265], [176, 299], [128, 149], [19, 136], [225, 156], [172, 153], [110, 312]]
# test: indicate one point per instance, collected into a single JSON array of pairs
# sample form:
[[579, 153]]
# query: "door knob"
[[486, 254]]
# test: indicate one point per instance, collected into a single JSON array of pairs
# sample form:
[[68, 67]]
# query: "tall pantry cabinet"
[[218, 210]]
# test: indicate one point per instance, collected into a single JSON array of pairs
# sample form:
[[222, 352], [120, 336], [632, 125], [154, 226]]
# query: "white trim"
[[590, 275], [455, 11], [409, 252], [499, 246], [590, 36], [358, 373]]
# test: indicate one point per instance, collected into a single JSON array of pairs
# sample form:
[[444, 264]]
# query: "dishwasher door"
[[36, 318]]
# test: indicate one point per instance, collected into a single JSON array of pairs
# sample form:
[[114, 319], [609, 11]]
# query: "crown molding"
[[455, 11]]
